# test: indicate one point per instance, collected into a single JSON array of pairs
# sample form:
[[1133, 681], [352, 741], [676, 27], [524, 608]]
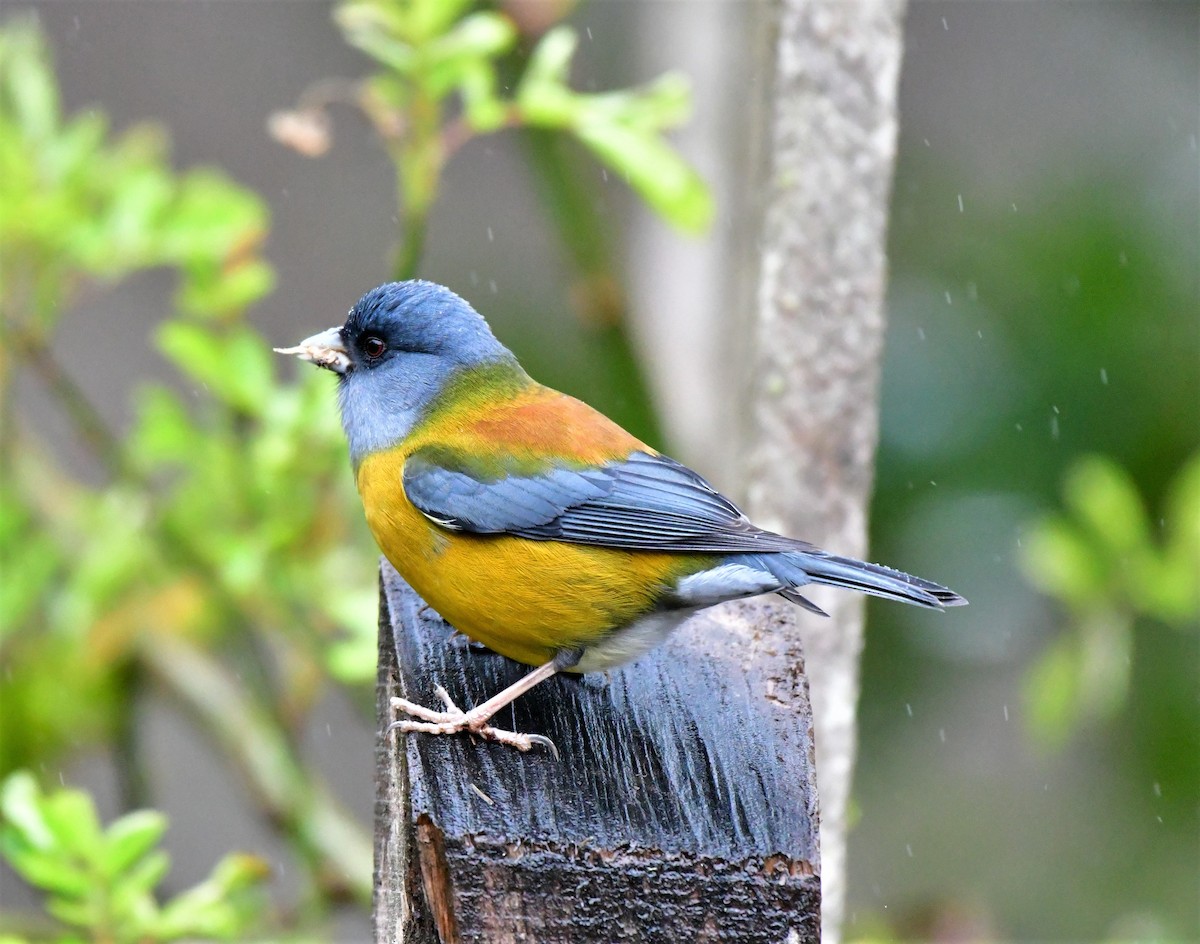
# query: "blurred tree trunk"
[[830, 141]]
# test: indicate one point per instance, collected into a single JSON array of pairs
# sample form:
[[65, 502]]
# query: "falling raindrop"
[[908, 708], [1104, 376], [1006, 712], [960, 203], [942, 735], [491, 235]]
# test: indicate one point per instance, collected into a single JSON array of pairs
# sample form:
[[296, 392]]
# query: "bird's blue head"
[[400, 344]]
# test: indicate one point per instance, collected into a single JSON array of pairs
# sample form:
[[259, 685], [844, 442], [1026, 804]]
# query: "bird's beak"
[[326, 349]]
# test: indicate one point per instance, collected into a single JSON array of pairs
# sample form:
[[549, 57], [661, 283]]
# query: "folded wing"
[[643, 502]]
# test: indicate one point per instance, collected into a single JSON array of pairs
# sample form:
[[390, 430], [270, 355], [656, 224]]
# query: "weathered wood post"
[[684, 805], [682, 808]]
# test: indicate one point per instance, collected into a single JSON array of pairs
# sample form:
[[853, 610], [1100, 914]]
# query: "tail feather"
[[793, 597], [795, 569]]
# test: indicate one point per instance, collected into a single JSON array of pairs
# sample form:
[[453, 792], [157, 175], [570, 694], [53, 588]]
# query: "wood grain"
[[682, 808]]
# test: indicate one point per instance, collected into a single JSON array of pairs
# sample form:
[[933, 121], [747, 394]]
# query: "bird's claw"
[[454, 720], [542, 741]]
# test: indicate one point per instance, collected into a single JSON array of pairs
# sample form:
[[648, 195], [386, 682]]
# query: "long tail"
[[796, 568]]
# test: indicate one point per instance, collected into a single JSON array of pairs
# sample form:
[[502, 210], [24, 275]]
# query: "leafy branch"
[[438, 88], [182, 549], [102, 881]]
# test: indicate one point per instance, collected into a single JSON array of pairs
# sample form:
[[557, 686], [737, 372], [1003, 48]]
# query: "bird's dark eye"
[[373, 347]]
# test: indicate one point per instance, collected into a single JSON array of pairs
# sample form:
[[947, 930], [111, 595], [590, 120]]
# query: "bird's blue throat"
[[377, 416]]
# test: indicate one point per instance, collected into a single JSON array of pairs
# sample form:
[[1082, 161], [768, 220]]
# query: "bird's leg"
[[453, 719]]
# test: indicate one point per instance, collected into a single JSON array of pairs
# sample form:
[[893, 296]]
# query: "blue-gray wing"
[[644, 502]]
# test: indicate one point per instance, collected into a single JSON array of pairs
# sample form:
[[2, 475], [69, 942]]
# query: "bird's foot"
[[454, 720]]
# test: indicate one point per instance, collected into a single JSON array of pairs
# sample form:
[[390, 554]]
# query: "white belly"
[[634, 640]]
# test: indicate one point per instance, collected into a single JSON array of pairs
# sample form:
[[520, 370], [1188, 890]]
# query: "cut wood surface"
[[682, 807]]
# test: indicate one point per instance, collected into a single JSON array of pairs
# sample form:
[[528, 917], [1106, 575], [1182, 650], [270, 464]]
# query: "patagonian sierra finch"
[[532, 523]]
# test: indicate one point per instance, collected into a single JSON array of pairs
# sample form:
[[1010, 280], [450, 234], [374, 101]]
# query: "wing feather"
[[643, 502]]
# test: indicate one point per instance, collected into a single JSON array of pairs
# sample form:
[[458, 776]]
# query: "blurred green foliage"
[[1102, 562], [215, 549], [1041, 367], [214, 533], [100, 882]]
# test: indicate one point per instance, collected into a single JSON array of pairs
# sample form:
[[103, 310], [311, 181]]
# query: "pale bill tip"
[[325, 349]]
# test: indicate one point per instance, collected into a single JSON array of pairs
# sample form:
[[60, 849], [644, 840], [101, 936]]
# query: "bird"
[[531, 522]]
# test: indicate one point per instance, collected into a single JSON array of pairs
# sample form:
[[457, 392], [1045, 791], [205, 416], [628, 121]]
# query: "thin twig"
[[97, 434]]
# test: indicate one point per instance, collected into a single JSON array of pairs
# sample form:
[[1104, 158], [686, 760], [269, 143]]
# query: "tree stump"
[[683, 807]]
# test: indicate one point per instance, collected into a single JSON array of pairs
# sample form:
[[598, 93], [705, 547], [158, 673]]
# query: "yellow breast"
[[525, 599]]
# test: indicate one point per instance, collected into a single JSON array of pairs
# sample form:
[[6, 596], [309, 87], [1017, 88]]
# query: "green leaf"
[[26, 579], [82, 912], [72, 818], [663, 103], [1176, 597], [195, 349], [479, 36], [21, 804], [484, 110], [164, 431], [378, 31], [223, 905], [28, 85], [53, 871], [1105, 497], [212, 222], [1060, 561], [654, 170], [1051, 691], [425, 19], [130, 838], [550, 61], [228, 293], [146, 872], [235, 364]]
